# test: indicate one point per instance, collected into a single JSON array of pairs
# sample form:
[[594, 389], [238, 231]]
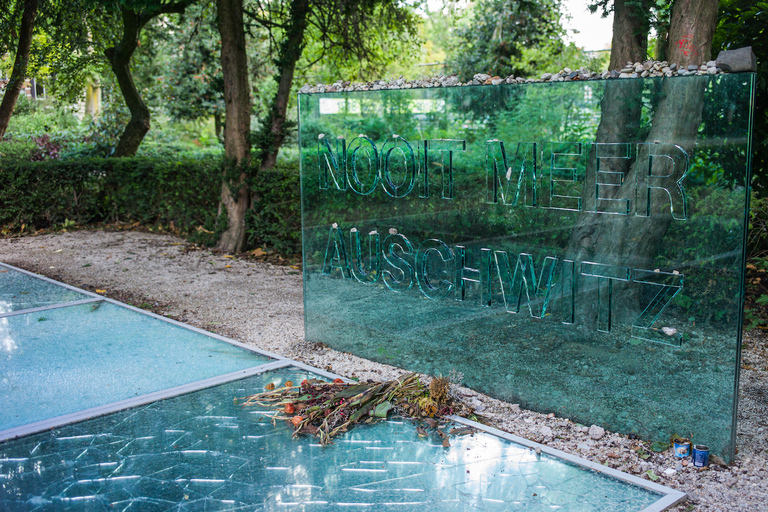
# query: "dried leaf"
[[382, 409], [446, 443], [353, 390]]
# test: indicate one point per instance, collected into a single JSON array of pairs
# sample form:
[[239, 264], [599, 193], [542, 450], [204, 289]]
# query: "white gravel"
[[261, 304]]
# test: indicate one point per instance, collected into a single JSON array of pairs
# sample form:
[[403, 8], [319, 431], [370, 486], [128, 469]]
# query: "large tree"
[[367, 31]]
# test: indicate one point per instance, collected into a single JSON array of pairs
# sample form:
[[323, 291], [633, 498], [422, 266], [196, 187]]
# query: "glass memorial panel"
[[72, 358], [202, 451], [20, 291], [575, 247]]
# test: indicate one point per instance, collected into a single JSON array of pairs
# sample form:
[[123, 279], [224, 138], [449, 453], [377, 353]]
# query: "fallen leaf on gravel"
[[101, 291], [227, 266], [58, 250], [258, 252], [228, 256]]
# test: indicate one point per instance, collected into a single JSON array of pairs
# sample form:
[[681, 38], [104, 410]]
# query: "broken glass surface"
[[574, 247], [201, 451], [21, 291], [64, 360]]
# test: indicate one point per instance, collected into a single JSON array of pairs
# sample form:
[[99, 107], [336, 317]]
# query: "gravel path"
[[261, 304]]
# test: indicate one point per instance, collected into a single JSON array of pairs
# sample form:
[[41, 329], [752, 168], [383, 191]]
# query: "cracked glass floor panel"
[[201, 451], [72, 358], [20, 291]]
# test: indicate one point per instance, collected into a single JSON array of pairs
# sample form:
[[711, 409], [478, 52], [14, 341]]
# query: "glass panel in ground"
[[574, 247], [21, 291], [64, 360], [203, 451]]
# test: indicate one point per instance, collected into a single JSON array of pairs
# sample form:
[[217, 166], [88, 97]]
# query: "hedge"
[[183, 193]]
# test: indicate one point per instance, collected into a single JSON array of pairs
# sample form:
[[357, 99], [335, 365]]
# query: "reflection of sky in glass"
[[21, 291], [201, 451]]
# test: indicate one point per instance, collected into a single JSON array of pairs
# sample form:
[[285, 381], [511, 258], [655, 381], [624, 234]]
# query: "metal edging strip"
[[66, 419], [669, 496], [50, 306]]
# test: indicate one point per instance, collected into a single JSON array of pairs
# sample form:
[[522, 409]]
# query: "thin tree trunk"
[[120, 59], [235, 192], [273, 128], [19, 73]]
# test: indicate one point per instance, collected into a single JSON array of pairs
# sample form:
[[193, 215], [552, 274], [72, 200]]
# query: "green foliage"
[[745, 23], [357, 39], [274, 223], [499, 30], [536, 60], [180, 194], [193, 85]]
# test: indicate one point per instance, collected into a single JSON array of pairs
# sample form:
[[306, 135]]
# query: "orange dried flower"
[[296, 420], [338, 381], [289, 383], [270, 386], [289, 409]]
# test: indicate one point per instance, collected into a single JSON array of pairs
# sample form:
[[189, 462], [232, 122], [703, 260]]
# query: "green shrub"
[[179, 193], [274, 223], [182, 193]]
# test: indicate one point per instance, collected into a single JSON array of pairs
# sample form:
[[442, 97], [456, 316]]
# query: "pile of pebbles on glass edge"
[[649, 68]]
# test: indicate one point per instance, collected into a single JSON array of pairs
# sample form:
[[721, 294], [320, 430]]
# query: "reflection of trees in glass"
[[631, 239]]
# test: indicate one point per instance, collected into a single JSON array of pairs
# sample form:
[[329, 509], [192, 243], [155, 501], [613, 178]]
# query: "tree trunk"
[[273, 129], [120, 59], [235, 192], [691, 29], [629, 42], [19, 73]]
